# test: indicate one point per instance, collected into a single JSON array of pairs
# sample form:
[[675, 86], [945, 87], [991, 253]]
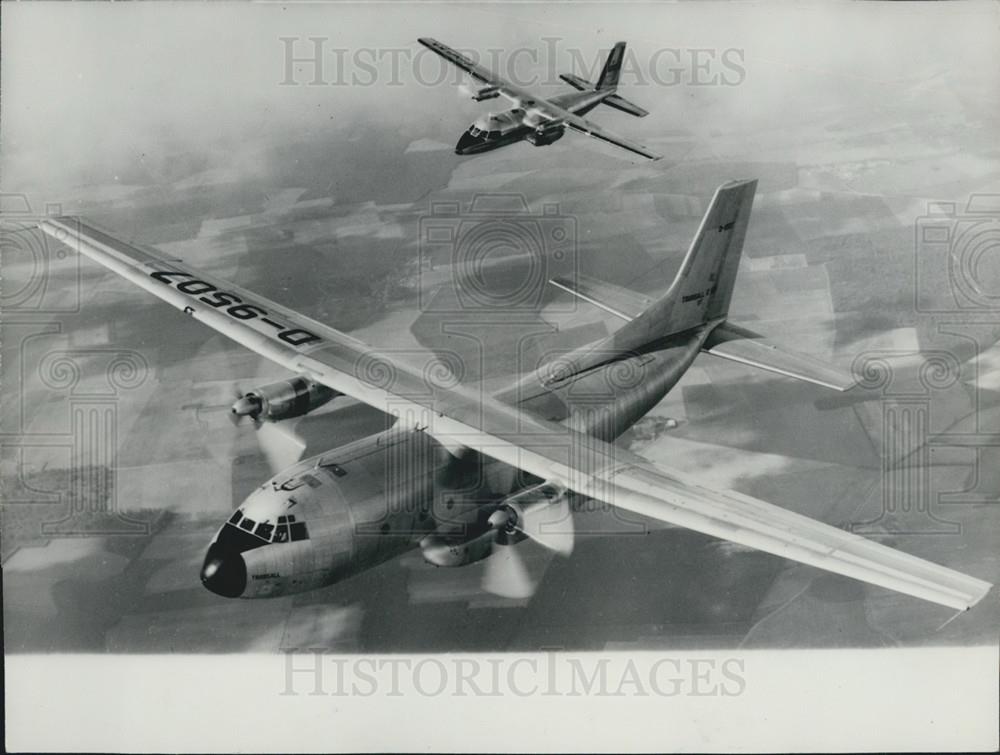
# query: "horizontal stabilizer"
[[619, 301], [746, 347], [620, 103], [576, 82]]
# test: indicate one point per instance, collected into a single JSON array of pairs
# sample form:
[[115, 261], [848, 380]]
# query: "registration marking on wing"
[[232, 304]]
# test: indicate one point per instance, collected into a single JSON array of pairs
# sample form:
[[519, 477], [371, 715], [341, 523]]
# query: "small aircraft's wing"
[[537, 111], [478, 72], [430, 400], [590, 128]]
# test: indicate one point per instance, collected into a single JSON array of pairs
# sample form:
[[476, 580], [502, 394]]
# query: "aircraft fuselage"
[[497, 130], [352, 508]]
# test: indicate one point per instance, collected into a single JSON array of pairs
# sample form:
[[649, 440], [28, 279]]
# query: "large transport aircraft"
[[540, 121], [509, 466]]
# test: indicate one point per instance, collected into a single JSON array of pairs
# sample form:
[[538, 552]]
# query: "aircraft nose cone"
[[224, 572], [464, 143]]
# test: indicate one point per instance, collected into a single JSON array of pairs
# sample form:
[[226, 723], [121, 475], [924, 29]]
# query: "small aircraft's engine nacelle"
[[283, 400], [542, 136], [486, 93]]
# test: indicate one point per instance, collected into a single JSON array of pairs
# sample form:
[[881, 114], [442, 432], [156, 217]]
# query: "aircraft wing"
[[432, 401], [537, 111], [590, 128], [478, 72]]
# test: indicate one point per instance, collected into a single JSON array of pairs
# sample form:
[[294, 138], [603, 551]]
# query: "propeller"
[[280, 444], [278, 441], [506, 575], [245, 405], [546, 520]]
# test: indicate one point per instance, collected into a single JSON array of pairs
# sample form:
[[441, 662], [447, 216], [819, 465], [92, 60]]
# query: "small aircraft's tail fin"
[[620, 103], [612, 67]]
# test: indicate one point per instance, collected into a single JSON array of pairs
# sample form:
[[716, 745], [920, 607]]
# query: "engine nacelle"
[[486, 93], [543, 136], [283, 400], [444, 551]]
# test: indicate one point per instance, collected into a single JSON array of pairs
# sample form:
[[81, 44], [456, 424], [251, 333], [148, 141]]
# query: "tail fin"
[[703, 287], [701, 290], [612, 68]]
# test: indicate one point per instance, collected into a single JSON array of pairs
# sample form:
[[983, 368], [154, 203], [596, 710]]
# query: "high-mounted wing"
[[478, 72], [430, 400], [537, 111]]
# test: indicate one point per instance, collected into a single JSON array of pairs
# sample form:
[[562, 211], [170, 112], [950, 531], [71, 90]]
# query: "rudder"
[[703, 287], [612, 68]]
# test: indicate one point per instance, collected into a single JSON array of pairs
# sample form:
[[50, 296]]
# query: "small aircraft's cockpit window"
[[235, 518], [493, 135], [281, 534], [299, 531], [474, 131], [248, 524], [264, 530]]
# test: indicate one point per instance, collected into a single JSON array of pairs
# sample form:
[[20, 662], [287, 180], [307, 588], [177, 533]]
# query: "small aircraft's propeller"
[[548, 524]]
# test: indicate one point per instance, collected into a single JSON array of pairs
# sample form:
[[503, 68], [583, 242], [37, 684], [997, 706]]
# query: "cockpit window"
[[262, 533], [474, 131], [494, 135]]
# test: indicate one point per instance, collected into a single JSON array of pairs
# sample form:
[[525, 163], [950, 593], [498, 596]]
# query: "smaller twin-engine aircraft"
[[540, 121], [465, 475]]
